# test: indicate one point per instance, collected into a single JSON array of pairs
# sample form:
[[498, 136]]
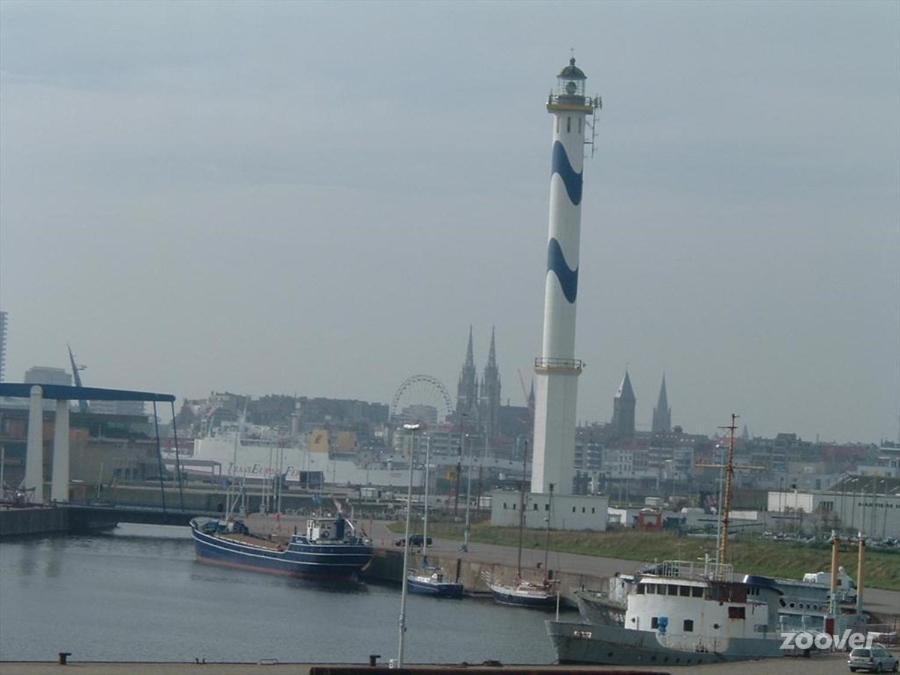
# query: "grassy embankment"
[[752, 555]]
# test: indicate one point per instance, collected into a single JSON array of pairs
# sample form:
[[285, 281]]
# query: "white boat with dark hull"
[[686, 613], [525, 594], [432, 581], [683, 614]]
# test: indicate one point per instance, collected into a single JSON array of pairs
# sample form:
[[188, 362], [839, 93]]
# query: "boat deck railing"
[[691, 569]]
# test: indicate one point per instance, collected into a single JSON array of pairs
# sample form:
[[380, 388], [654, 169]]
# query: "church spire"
[[662, 413], [490, 393], [625, 392], [623, 409], [492, 354], [467, 387]]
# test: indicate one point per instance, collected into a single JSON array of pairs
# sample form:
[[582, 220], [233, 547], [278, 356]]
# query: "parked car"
[[876, 659], [414, 540]]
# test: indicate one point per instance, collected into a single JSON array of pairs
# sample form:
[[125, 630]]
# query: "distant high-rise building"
[[623, 409], [3, 319], [47, 375], [489, 405], [662, 413], [467, 389]]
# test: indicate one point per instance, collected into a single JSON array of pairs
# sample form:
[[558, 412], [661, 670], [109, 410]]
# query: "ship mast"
[[231, 501], [521, 513], [726, 501]]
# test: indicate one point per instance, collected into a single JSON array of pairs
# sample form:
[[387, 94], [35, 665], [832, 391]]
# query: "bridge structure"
[[33, 482], [96, 516]]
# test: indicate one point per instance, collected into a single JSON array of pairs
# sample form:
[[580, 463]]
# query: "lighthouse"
[[557, 369]]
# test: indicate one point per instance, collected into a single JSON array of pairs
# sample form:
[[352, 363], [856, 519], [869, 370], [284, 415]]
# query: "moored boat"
[[432, 581], [525, 594], [688, 613], [328, 548], [681, 614]]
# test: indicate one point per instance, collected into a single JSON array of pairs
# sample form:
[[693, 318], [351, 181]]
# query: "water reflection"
[[125, 596]]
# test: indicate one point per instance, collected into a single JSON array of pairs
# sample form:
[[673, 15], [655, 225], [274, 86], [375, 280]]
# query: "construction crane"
[[82, 405]]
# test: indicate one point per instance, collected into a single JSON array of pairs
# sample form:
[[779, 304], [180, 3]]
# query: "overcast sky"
[[319, 198]]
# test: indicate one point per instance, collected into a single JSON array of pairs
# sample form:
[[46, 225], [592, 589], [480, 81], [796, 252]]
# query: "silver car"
[[876, 659]]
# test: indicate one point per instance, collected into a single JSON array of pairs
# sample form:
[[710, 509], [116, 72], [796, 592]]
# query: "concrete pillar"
[[59, 488], [34, 452]]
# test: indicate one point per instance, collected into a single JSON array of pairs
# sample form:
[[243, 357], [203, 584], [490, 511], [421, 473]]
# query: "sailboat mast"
[[425, 517], [729, 483], [521, 512], [547, 544]]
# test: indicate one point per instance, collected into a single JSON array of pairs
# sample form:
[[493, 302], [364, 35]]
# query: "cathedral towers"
[[478, 402], [622, 424]]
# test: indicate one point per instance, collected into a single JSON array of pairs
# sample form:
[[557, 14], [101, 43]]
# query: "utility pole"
[[465, 546]]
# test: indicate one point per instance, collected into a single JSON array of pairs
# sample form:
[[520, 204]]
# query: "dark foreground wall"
[[29, 521]]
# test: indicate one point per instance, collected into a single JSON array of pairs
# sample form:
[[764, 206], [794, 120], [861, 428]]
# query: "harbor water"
[[138, 594]]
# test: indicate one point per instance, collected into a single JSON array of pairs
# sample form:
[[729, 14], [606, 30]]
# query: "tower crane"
[[82, 405]]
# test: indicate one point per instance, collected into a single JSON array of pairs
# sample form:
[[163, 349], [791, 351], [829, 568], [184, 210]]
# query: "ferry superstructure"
[[682, 613], [259, 459]]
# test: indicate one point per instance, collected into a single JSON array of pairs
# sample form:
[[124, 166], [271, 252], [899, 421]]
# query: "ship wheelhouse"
[[699, 611]]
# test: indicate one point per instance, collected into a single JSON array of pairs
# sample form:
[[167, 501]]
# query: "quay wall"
[[29, 521], [387, 566]]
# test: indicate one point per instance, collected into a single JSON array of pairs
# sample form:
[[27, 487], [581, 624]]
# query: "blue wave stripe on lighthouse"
[[556, 263], [570, 178]]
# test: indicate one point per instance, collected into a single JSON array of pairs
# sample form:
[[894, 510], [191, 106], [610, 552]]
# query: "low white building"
[[565, 512], [623, 516], [868, 504]]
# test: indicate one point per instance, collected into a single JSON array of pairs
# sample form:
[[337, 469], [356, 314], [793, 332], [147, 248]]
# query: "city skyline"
[[319, 200]]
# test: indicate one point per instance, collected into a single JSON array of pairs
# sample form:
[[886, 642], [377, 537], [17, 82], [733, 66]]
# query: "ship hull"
[[435, 589], [509, 596], [296, 560], [581, 643], [600, 611]]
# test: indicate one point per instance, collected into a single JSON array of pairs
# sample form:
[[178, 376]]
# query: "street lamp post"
[[425, 518], [465, 546], [412, 429]]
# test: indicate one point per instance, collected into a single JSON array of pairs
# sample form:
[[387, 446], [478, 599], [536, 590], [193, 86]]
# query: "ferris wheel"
[[425, 391]]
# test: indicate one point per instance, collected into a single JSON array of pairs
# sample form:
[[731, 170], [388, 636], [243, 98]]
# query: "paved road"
[[878, 601]]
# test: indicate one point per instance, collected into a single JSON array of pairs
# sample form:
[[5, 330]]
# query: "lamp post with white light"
[[412, 429]]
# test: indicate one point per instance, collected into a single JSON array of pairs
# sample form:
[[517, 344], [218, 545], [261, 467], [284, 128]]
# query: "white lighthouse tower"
[[557, 369]]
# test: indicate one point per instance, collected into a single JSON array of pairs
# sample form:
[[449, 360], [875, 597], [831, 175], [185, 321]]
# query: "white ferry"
[[264, 458], [681, 613]]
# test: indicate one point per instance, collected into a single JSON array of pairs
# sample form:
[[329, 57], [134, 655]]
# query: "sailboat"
[[431, 579], [524, 593]]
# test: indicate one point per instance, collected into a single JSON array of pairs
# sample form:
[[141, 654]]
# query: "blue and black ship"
[[329, 548]]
